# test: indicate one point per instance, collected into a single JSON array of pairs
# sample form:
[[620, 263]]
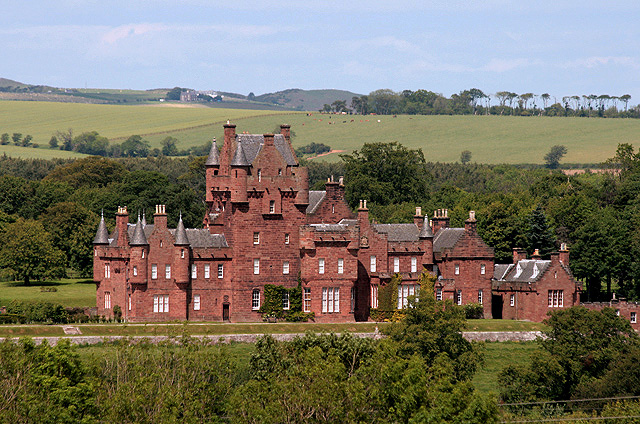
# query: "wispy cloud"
[[131, 30], [505, 65], [597, 61]]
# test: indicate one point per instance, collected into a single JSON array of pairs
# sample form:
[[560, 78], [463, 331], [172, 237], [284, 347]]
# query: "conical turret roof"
[[138, 239], [426, 231], [102, 235], [214, 155], [181, 234], [239, 158]]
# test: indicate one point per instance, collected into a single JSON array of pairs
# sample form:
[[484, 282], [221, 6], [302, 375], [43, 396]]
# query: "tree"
[[385, 173], [135, 146], [27, 140], [552, 159], [67, 139], [53, 142], [540, 235], [91, 143], [625, 99], [174, 93], [4, 139], [169, 147], [465, 157], [28, 251], [383, 101], [16, 137], [545, 99]]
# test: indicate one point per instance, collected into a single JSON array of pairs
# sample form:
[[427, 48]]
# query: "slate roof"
[[138, 238], [252, 144], [500, 270], [329, 227], [523, 271], [102, 235], [239, 157], [315, 198], [426, 231], [214, 155], [180, 234], [398, 232], [201, 237], [446, 239], [347, 221]]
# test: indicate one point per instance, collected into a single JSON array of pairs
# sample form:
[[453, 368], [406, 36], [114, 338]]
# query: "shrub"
[[473, 311]]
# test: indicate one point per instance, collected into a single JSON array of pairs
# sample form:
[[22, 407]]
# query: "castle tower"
[[138, 255], [181, 254]]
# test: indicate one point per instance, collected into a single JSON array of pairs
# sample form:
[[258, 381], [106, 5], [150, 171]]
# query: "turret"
[[302, 180], [228, 148], [212, 169], [181, 255], [100, 241], [239, 170], [138, 256]]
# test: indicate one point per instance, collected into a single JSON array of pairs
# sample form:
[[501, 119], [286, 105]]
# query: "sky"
[[558, 47]]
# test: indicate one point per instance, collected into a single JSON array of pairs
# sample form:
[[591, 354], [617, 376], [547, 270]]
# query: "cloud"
[[505, 65], [597, 61], [125, 31]]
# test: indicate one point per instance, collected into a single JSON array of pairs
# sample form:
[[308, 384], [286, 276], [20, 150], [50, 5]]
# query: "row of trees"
[[92, 143], [18, 140], [475, 101]]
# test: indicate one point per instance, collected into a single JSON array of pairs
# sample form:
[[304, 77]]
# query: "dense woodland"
[[49, 210]]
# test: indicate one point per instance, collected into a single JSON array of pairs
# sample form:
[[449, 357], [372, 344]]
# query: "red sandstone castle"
[[263, 226]]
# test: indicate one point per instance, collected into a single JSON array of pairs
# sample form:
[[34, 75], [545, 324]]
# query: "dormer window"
[[518, 270], [272, 206], [535, 272]]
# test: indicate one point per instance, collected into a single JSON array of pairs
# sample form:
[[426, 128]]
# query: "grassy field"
[[69, 293], [497, 356], [491, 139]]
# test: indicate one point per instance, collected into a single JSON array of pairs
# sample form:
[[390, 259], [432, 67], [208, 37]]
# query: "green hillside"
[[306, 99], [491, 139]]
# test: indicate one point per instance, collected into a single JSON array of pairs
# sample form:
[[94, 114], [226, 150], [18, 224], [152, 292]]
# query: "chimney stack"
[[470, 224], [536, 255], [440, 220], [160, 217], [564, 254], [122, 224], [519, 254], [418, 219]]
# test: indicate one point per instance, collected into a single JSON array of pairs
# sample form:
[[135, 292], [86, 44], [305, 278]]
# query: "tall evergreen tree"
[[540, 235]]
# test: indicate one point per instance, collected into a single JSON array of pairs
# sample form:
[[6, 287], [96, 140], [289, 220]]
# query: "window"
[[95, 252], [167, 271], [617, 312], [285, 300], [555, 298], [374, 296], [154, 271], [414, 264], [161, 303], [280, 172], [256, 238], [286, 238], [207, 271], [483, 269], [459, 297], [307, 300], [633, 318], [285, 267], [107, 300], [129, 302], [107, 271], [259, 175], [439, 294], [340, 266], [256, 266], [135, 271], [321, 266], [194, 271], [512, 300], [396, 264], [457, 269], [404, 291], [143, 254], [480, 299], [182, 253], [353, 299], [196, 302], [255, 299], [220, 271], [373, 264], [272, 206], [330, 299]]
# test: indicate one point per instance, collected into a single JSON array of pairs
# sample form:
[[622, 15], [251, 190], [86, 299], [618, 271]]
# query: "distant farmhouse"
[[192, 95], [263, 226]]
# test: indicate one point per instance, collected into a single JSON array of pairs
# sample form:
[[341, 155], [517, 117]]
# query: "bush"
[[473, 311], [39, 312]]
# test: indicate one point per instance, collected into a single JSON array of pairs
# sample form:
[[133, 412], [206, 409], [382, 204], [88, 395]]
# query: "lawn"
[[491, 139], [68, 292], [497, 356]]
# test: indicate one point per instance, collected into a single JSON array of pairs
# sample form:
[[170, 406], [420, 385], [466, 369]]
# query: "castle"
[[264, 226]]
